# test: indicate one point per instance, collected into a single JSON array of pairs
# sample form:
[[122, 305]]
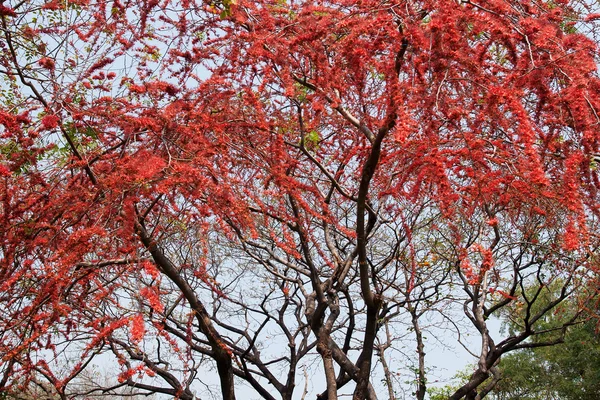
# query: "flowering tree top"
[[367, 161]]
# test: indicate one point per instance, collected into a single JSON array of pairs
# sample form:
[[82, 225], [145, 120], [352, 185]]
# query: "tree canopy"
[[259, 190], [569, 370]]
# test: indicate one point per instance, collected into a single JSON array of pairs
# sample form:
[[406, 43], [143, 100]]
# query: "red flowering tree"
[[255, 188]]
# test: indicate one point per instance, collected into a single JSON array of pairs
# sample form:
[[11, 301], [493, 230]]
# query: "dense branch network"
[[241, 195]]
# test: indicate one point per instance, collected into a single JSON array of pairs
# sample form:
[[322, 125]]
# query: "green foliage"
[[567, 371], [12, 150], [440, 393], [570, 371], [312, 139], [226, 12]]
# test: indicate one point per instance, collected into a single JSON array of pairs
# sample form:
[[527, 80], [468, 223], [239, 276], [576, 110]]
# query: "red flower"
[[47, 63], [7, 11], [50, 122], [137, 329]]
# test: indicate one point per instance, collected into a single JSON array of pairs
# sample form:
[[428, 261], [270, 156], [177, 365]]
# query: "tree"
[[201, 186], [566, 371], [569, 371]]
